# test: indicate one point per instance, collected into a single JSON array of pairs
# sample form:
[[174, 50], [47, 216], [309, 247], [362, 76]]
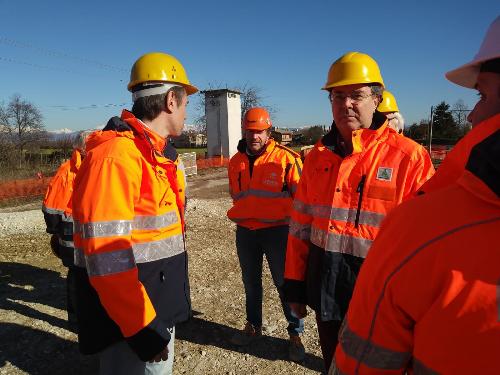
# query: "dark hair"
[[149, 107], [491, 66]]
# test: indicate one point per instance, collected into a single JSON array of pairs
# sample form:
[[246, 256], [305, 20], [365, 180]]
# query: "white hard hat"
[[466, 75]]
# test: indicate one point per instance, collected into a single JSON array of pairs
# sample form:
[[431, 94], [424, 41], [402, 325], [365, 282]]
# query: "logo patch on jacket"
[[384, 174], [272, 179]]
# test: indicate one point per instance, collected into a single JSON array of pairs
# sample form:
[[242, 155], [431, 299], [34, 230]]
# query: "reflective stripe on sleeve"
[[156, 250], [79, 258], [370, 354], [52, 211], [125, 227], [348, 215], [300, 231], [261, 194], [301, 207], [66, 243], [67, 218], [155, 222], [420, 369], [110, 262], [340, 243], [106, 229]]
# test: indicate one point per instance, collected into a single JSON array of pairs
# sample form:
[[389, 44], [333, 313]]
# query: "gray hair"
[[81, 138]]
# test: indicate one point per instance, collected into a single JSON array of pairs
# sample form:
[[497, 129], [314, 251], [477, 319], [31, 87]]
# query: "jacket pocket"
[[386, 193]]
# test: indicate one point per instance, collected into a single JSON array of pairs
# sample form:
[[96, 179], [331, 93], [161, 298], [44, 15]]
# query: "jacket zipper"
[[359, 190], [239, 180]]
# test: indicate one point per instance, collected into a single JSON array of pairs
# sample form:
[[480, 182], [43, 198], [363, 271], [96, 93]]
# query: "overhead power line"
[[38, 66], [61, 55], [88, 106]]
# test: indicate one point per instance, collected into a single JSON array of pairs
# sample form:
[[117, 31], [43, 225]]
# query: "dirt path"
[[35, 340]]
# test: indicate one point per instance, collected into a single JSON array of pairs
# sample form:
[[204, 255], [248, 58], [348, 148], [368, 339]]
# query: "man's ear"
[[170, 102]]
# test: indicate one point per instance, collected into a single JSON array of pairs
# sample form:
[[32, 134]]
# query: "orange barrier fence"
[[212, 162], [23, 188], [38, 186]]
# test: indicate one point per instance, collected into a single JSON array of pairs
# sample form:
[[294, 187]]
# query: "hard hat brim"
[[466, 75]]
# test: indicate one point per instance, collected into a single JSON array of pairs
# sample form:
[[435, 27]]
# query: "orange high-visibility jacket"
[[338, 209], [427, 299], [453, 165], [129, 223], [264, 197], [56, 207]]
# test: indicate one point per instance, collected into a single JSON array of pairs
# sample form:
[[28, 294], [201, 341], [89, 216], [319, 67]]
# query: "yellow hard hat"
[[353, 68], [159, 67], [388, 103]]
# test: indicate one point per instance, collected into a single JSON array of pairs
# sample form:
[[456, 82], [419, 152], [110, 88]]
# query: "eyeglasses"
[[355, 96]]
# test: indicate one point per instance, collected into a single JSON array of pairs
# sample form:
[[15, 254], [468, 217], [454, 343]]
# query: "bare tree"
[[251, 96], [22, 121], [460, 113]]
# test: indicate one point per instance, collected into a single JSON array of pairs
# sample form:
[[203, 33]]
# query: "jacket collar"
[[268, 147], [484, 162], [138, 127], [362, 139]]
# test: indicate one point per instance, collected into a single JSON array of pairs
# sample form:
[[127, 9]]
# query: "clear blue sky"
[[66, 56]]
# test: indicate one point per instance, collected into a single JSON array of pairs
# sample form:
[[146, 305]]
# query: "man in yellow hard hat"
[[129, 226], [389, 107], [263, 179], [427, 298], [353, 177]]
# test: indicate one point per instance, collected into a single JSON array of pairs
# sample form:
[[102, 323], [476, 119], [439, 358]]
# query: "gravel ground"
[[33, 329]]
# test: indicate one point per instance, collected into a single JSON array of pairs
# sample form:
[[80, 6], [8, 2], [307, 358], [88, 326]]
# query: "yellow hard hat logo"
[[159, 67]]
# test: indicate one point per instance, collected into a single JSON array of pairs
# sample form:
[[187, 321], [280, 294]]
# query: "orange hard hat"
[[257, 119]]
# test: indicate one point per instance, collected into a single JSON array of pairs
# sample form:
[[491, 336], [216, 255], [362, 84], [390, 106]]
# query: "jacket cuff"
[[295, 291], [150, 340], [52, 221]]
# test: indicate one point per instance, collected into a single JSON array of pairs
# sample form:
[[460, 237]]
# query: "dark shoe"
[[296, 351], [247, 335]]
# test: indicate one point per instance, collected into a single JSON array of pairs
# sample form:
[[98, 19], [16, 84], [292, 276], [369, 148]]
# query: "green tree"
[[444, 125], [418, 132], [312, 134]]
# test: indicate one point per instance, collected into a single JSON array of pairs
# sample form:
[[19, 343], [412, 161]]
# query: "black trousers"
[[328, 339]]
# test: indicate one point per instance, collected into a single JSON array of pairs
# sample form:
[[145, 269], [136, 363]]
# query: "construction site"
[[35, 335]]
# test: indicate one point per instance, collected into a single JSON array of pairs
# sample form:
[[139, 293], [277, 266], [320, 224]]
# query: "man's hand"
[[298, 309], [161, 356]]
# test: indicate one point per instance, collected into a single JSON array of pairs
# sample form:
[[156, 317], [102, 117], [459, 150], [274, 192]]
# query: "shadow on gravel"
[[22, 283], [203, 332], [37, 352], [29, 348]]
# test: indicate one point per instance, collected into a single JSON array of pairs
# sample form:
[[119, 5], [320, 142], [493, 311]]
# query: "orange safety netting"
[[23, 188], [37, 186]]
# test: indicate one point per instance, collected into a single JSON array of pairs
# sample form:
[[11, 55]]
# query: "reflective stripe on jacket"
[[339, 207], [427, 299], [57, 210], [263, 198], [129, 223]]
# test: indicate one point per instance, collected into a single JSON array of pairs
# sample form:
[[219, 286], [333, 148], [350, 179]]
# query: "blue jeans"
[[251, 246]]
